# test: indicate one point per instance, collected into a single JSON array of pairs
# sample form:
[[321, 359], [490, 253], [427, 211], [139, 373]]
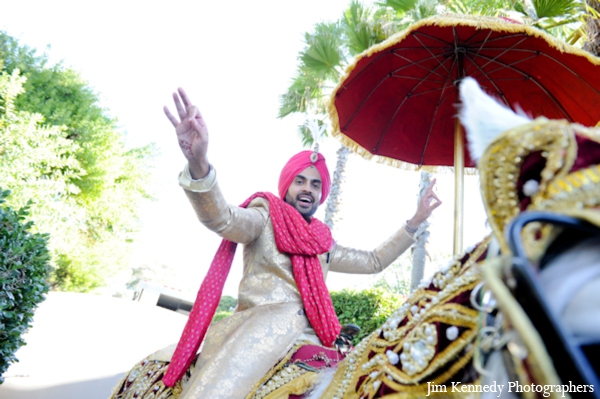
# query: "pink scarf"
[[293, 236]]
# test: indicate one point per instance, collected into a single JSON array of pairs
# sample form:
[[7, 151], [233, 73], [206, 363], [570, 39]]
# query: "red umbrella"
[[398, 100]]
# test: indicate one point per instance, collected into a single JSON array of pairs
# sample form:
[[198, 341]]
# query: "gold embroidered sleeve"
[[349, 260], [241, 225]]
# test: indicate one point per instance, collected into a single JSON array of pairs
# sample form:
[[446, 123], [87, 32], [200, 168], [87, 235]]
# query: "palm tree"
[[321, 63], [421, 236], [592, 27]]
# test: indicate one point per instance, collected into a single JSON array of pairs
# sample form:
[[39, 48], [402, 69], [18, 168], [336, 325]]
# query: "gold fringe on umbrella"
[[478, 22], [358, 149]]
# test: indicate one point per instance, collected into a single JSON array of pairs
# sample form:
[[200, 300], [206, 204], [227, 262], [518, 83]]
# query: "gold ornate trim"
[[383, 357], [500, 168]]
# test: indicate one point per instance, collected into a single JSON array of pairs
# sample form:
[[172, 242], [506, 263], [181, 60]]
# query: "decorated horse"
[[517, 315]]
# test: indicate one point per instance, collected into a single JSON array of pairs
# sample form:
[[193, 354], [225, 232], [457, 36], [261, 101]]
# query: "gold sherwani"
[[240, 349]]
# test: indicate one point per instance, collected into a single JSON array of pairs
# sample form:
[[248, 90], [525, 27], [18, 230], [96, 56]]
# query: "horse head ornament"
[[540, 184]]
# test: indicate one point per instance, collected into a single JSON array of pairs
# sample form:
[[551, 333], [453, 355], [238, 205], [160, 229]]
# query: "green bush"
[[61, 149], [227, 304], [225, 309], [220, 315], [368, 309], [23, 272]]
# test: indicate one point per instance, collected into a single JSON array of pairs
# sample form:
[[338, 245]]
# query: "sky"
[[234, 59]]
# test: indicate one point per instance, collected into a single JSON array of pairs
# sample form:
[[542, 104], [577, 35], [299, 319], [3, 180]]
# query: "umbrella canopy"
[[397, 101]]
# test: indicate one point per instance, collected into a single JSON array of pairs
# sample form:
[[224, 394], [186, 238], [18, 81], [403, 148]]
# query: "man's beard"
[[296, 203]]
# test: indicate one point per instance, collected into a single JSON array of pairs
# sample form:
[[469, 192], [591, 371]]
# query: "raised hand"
[[428, 203], [192, 133]]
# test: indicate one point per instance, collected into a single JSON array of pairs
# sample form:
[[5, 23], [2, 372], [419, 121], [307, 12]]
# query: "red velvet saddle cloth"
[[144, 381], [316, 357]]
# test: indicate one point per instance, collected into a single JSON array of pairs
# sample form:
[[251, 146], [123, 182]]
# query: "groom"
[[282, 297]]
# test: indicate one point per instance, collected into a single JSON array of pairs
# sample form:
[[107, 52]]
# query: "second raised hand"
[[192, 133]]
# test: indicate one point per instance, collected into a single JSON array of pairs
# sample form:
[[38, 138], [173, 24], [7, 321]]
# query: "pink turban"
[[297, 164]]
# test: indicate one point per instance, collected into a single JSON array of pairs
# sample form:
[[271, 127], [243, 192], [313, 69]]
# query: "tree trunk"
[[334, 200], [422, 235], [592, 28]]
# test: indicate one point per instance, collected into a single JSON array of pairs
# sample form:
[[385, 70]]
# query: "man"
[[282, 298]]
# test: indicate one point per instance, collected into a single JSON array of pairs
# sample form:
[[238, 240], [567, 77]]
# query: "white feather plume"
[[483, 117], [317, 130]]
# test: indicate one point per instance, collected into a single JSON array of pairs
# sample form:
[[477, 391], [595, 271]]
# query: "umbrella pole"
[[459, 180], [459, 163]]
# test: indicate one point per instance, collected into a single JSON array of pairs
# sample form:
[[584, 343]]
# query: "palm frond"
[[520, 8], [357, 21], [303, 91], [424, 9], [549, 24], [481, 7], [556, 8], [305, 136], [575, 36], [387, 22], [592, 8], [401, 6], [323, 54], [457, 6]]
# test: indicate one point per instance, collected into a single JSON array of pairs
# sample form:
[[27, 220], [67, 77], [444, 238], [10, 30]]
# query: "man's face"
[[304, 193]]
